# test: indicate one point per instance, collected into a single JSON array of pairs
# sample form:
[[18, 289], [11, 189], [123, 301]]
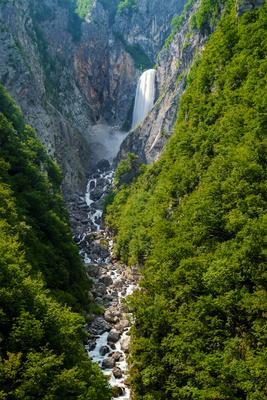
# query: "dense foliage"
[[178, 20], [204, 19], [196, 222], [124, 4], [34, 180], [83, 7], [41, 351]]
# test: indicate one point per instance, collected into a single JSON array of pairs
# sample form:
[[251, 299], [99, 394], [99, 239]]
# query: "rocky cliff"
[[70, 74], [116, 45], [172, 68], [173, 65], [36, 67]]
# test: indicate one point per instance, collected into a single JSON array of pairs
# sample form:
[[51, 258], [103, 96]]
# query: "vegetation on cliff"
[[124, 4], [83, 7], [41, 351], [196, 222]]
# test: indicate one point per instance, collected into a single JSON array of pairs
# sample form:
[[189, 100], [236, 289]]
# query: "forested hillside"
[[195, 222], [41, 351]]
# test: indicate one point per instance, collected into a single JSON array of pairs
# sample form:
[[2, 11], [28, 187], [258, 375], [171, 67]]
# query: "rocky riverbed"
[[112, 282]]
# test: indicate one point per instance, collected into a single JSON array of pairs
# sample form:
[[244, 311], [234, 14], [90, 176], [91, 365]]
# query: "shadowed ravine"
[[108, 342]]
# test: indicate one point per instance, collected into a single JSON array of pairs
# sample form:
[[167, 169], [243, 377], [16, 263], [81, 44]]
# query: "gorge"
[[112, 281], [133, 199]]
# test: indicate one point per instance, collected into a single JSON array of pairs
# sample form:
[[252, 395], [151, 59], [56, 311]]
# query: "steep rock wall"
[[174, 62], [69, 74], [115, 47], [148, 24], [36, 51]]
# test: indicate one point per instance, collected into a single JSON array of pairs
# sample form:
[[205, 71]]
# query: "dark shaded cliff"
[[41, 276]]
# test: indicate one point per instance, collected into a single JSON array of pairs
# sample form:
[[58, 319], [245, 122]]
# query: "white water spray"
[[145, 96]]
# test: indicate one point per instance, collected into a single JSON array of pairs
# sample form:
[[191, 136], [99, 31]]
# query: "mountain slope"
[[196, 222], [69, 73], [41, 351]]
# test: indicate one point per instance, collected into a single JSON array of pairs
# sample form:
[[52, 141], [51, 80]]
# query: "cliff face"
[[174, 62], [114, 48], [148, 24], [104, 71], [36, 67], [69, 74]]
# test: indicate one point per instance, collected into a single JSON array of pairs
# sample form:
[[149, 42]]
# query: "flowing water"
[[109, 339], [145, 96], [112, 283]]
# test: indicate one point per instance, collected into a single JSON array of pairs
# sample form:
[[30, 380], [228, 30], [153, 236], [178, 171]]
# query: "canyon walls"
[[69, 74], [174, 62]]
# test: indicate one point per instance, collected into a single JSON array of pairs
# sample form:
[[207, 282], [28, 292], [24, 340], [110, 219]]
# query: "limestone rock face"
[[110, 56], [36, 67], [174, 62], [69, 74], [148, 24]]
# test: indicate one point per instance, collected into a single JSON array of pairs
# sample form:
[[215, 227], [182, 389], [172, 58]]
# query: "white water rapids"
[[112, 282], [145, 96], [121, 285]]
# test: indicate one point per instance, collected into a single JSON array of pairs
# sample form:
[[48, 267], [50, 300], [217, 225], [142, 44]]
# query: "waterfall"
[[145, 96]]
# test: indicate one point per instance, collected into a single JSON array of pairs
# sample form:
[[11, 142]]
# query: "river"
[[112, 282]]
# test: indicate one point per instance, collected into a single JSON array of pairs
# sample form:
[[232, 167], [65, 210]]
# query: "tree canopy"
[[195, 222], [41, 276]]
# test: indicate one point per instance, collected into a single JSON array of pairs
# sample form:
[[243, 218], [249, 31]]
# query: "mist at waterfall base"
[[145, 96], [105, 142]]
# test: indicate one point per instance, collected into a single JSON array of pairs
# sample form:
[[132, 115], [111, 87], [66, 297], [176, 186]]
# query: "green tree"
[[195, 222]]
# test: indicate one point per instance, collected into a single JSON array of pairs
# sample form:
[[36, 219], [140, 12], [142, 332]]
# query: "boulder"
[[104, 350], [125, 344], [118, 284], [91, 344], [99, 301], [96, 194], [108, 363], [117, 356], [112, 346], [122, 325], [108, 297], [92, 270], [99, 289], [99, 326], [113, 336], [110, 317], [117, 372], [106, 280], [92, 185], [118, 391]]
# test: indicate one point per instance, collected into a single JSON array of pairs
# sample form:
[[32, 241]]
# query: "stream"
[[112, 282]]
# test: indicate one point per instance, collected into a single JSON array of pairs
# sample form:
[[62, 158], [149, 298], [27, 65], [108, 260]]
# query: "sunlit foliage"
[[196, 223]]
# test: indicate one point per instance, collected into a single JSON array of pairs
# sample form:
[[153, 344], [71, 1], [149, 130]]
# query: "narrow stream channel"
[[112, 283]]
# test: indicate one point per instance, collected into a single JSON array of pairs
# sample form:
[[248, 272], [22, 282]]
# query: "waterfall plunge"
[[145, 96]]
